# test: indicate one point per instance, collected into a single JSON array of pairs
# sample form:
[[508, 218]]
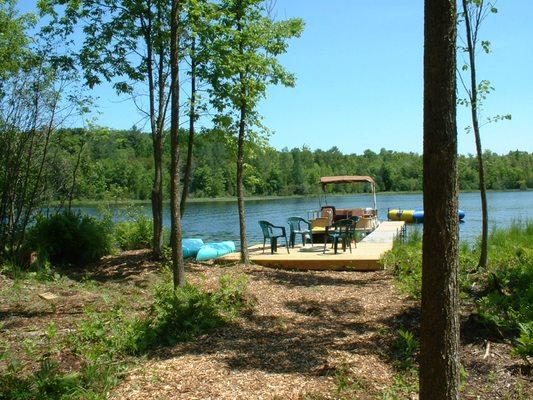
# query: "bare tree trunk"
[[157, 195], [178, 267], [74, 174], [475, 125], [439, 331], [240, 185], [157, 143], [245, 258], [192, 119]]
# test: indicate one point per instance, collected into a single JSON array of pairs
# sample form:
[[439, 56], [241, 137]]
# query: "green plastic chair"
[[268, 233], [341, 231], [299, 226], [355, 220]]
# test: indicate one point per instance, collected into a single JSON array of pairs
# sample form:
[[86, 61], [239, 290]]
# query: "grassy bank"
[[499, 297]]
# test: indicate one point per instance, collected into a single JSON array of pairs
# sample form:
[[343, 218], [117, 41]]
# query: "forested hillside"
[[118, 164]]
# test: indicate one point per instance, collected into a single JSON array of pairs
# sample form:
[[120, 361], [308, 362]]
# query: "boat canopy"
[[330, 180], [327, 180]]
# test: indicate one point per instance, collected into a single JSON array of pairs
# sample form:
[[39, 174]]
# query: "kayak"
[[191, 247], [412, 216], [215, 250]]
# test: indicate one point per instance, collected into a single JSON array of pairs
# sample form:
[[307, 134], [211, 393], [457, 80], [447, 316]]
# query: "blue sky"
[[359, 79]]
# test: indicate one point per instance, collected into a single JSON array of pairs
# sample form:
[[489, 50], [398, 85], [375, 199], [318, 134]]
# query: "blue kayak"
[[191, 247], [215, 250], [418, 215]]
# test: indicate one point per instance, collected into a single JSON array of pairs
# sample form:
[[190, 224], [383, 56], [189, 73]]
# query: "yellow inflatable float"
[[401, 215]]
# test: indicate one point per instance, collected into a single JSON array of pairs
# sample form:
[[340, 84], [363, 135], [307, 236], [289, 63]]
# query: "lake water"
[[220, 220]]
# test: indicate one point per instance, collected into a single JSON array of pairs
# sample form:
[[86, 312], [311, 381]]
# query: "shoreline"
[[82, 202]]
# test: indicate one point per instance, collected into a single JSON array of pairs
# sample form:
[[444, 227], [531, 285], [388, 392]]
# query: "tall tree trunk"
[[192, 119], [439, 331], [475, 125], [245, 258], [240, 184], [74, 175], [178, 268], [157, 143], [157, 195]]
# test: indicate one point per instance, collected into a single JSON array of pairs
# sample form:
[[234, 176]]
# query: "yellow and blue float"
[[413, 216]]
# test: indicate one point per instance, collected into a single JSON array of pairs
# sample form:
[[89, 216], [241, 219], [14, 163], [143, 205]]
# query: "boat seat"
[[319, 224]]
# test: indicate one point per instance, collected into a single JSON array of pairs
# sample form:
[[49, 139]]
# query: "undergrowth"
[[106, 343], [134, 234], [70, 238], [501, 293]]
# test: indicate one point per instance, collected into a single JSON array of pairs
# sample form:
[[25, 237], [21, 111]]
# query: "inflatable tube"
[[191, 247], [401, 215], [215, 250], [414, 215], [418, 216]]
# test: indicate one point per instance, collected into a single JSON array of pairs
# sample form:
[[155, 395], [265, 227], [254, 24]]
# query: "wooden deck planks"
[[365, 257]]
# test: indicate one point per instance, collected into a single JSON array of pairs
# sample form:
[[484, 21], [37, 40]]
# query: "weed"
[[105, 341], [406, 347], [524, 346], [404, 386], [346, 384], [176, 315], [134, 234], [502, 293]]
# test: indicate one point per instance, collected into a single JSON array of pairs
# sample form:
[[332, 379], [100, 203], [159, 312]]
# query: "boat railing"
[[313, 214]]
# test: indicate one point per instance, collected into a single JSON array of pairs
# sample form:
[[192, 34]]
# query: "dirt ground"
[[310, 335]]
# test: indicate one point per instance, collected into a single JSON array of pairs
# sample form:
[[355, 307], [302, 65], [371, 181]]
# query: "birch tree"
[[245, 42]]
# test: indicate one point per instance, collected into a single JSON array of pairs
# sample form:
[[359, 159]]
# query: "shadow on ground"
[[305, 332], [131, 265]]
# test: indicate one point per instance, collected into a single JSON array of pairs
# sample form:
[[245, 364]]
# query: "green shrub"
[[105, 340], [71, 239], [524, 346], [40, 271], [406, 345], [47, 382], [175, 316], [507, 298], [135, 234], [502, 293], [106, 334], [405, 261], [188, 312]]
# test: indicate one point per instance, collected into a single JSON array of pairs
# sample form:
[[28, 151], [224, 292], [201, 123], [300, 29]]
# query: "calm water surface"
[[220, 221]]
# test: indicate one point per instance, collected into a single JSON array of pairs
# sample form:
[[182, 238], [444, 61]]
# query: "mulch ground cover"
[[309, 335]]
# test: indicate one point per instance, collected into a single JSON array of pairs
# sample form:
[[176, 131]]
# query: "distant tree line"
[[118, 164]]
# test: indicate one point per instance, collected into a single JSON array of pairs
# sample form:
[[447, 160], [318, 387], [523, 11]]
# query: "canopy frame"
[[332, 180]]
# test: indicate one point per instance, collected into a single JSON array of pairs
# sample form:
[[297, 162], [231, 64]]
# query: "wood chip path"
[[304, 328]]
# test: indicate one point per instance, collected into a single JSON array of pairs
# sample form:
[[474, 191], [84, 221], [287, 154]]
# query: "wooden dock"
[[365, 257]]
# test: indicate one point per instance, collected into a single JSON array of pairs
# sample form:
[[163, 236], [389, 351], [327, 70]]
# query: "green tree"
[[37, 96], [245, 44], [474, 13], [125, 42], [14, 42], [197, 17], [178, 267]]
